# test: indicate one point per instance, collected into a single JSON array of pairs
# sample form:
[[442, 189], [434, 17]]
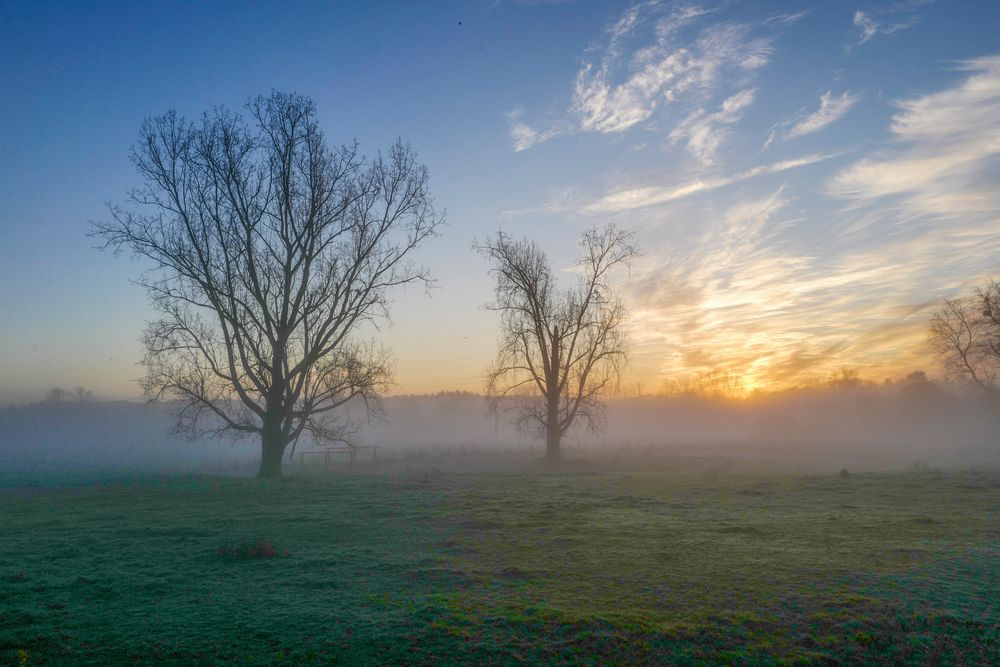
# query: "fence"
[[328, 452]]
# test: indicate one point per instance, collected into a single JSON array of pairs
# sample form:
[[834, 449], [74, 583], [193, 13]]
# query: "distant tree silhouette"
[[965, 333], [717, 384], [559, 350], [270, 251], [920, 393], [58, 395], [845, 378]]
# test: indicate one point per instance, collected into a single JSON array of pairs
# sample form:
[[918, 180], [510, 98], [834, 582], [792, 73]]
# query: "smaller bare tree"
[[966, 335], [559, 350]]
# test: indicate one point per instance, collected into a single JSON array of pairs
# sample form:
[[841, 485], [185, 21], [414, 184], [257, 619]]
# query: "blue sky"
[[806, 179]]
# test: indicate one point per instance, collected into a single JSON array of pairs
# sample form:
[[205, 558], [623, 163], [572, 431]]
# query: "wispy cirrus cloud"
[[742, 297], [522, 134], [569, 200], [633, 198], [661, 73], [867, 26], [745, 296], [886, 20], [573, 201], [657, 58], [703, 133], [831, 109], [782, 285], [949, 142], [769, 293]]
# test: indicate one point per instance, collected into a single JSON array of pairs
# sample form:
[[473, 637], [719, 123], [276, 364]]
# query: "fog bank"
[[863, 427]]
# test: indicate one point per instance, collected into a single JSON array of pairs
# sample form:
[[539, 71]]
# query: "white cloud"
[[789, 19], [634, 198], [948, 139], [560, 200], [745, 294], [741, 298], [703, 133], [781, 288], [523, 135], [867, 27], [784, 297], [830, 110], [886, 20], [657, 57]]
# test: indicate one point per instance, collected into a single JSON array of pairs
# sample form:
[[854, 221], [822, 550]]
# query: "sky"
[[806, 180]]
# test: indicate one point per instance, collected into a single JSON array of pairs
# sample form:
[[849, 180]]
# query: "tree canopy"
[[270, 252]]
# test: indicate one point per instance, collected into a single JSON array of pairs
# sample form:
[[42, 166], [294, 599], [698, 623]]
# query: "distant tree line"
[[60, 395]]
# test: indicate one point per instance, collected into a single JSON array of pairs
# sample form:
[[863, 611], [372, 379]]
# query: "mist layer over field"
[[861, 428]]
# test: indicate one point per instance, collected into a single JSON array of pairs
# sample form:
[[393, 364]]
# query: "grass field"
[[514, 566]]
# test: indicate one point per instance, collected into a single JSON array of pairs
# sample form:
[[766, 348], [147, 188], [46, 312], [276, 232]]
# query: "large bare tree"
[[559, 349], [965, 333], [271, 255]]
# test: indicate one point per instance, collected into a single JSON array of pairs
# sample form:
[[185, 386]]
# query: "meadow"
[[579, 563]]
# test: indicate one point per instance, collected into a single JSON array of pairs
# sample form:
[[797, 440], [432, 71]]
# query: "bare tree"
[[559, 350], [271, 253], [966, 335]]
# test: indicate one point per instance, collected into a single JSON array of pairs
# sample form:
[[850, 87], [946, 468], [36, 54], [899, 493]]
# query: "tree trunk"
[[272, 448], [552, 433], [552, 439]]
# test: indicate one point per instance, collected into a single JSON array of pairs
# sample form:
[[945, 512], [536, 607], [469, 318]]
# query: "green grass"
[[502, 568]]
